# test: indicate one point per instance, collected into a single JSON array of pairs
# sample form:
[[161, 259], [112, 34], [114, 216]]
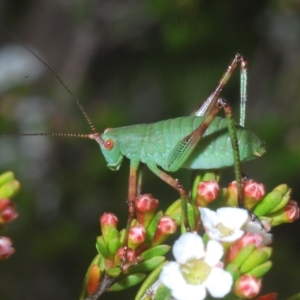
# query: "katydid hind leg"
[[207, 105], [185, 147]]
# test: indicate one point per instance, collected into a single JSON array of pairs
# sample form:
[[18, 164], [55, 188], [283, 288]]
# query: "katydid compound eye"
[[109, 144]]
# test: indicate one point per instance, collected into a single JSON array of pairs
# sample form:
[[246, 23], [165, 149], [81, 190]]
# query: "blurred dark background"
[[132, 62]]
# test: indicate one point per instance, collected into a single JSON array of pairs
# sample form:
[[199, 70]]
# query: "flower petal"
[[214, 253], [219, 283], [190, 292], [171, 276], [232, 217], [208, 217], [187, 247]]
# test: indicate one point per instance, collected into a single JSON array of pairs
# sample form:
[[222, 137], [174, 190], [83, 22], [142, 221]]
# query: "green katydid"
[[200, 141]]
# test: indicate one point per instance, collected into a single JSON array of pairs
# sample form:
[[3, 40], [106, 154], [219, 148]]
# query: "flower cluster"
[[124, 256], [226, 253], [9, 186], [232, 237]]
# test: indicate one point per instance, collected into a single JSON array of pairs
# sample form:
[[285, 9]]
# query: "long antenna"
[[67, 89], [91, 136]]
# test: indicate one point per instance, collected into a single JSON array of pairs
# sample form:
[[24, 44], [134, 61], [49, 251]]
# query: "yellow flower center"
[[224, 231], [195, 271]]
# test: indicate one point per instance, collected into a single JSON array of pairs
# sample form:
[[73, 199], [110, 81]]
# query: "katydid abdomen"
[[153, 144]]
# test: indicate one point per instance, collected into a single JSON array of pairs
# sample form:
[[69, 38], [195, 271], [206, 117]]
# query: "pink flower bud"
[[108, 221], [247, 286], [292, 211], [5, 248], [207, 192], [287, 214], [7, 211], [253, 192], [131, 255], [137, 235], [166, 226], [247, 239], [93, 280], [146, 207]]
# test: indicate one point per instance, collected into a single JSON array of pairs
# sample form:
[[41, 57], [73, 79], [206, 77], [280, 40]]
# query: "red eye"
[[109, 144]]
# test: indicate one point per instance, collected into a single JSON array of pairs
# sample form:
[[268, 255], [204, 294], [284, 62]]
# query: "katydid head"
[[110, 148]]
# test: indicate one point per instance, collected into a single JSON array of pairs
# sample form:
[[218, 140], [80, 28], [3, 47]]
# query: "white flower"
[[196, 270], [224, 224]]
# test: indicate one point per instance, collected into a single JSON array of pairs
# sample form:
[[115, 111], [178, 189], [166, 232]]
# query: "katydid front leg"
[[132, 193]]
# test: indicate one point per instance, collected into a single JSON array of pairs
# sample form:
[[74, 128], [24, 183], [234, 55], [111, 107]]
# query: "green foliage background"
[[132, 62]]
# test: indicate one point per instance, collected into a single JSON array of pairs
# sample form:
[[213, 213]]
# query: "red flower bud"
[[166, 226], [7, 211], [5, 248], [207, 192], [247, 239], [146, 207], [137, 235], [292, 211], [131, 255], [247, 286], [108, 221], [253, 192]]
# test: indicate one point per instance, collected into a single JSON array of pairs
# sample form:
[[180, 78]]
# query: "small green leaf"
[[9, 189], [101, 247], [261, 270], [152, 277], [150, 231], [233, 270], [174, 211], [243, 255], [155, 251], [113, 242], [256, 258], [127, 282], [6, 177], [147, 265], [191, 215], [284, 201], [122, 235], [268, 203], [197, 179]]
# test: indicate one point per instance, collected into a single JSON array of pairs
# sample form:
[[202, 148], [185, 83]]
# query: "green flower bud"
[[256, 258], [243, 255], [268, 203], [9, 189], [6, 177], [261, 270]]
